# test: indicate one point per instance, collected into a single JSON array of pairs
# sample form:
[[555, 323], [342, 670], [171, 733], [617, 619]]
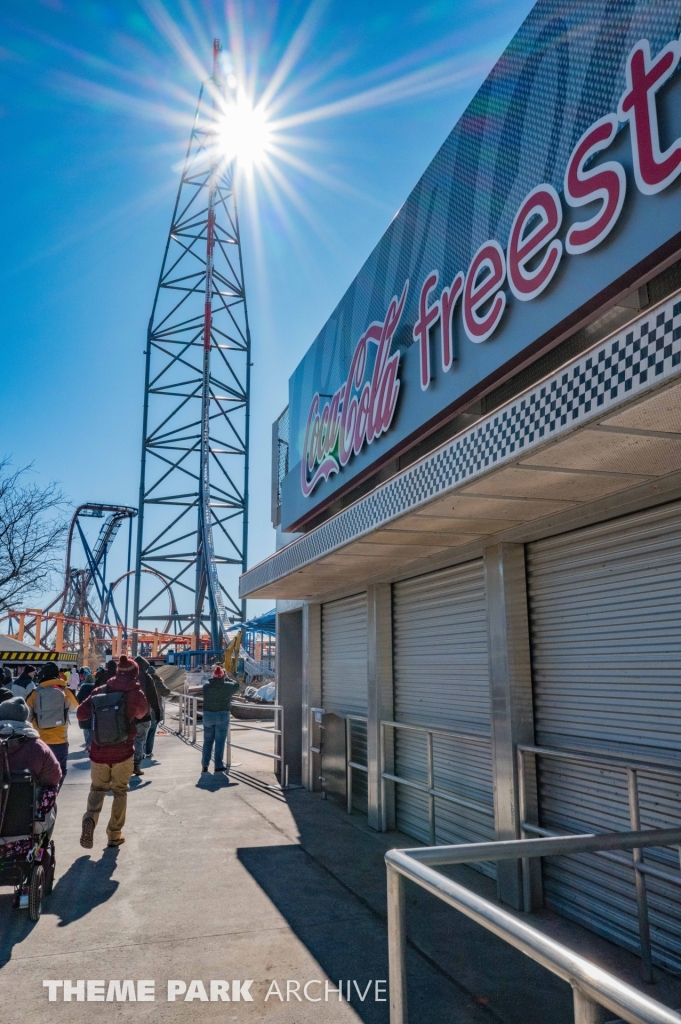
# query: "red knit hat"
[[218, 673], [127, 666]]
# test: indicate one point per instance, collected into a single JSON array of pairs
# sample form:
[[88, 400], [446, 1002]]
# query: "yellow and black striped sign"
[[38, 656]]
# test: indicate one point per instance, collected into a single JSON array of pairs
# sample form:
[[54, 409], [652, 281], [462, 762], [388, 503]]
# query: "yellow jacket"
[[58, 733]]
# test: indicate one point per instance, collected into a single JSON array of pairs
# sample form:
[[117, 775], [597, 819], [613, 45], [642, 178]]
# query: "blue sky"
[[95, 102]]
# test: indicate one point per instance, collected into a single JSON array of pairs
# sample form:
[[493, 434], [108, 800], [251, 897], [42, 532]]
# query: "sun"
[[245, 135]]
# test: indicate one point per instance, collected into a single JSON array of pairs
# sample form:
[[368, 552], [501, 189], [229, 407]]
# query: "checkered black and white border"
[[642, 356]]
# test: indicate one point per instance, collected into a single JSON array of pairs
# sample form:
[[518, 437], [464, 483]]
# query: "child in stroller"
[[29, 780]]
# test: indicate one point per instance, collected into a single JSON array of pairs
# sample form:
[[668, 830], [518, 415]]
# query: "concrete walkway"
[[228, 880]]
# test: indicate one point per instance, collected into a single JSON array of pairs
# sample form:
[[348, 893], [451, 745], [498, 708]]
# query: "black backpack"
[[110, 724], [17, 798]]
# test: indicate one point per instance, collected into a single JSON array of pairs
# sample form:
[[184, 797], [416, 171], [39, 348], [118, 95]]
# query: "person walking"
[[84, 690], [74, 680], [217, 703], [86, 687], [161, 692], [24, 683], [151, 718], [49, 705], [6, 685], [114, 710]]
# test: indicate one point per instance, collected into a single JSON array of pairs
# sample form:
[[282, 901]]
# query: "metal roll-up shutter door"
[[344, 674], [441, 680], [605, 612]]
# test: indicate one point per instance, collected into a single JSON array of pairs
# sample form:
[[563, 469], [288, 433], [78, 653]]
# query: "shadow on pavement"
[[15, 926], [344, 940], [214, 783], [75, 755], [85, 885], [331, 891], [137, 783]]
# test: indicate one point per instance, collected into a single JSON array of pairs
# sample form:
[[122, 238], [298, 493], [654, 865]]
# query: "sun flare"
[[245, 134]]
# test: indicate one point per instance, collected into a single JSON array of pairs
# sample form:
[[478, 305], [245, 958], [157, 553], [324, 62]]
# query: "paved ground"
[[225, 879]]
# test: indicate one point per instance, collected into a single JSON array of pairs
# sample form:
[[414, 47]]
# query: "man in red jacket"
[[111, 766]]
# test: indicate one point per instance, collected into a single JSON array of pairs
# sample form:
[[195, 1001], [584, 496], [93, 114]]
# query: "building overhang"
[[603, 430]]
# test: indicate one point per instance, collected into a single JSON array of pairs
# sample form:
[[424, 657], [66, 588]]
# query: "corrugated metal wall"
[[442, 679], [344, 673], [605, 613]]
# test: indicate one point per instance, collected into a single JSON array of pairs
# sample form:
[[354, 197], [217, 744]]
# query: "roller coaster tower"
[[193, 503]]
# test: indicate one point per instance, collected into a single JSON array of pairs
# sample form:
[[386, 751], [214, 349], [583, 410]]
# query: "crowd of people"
[[119, 709]]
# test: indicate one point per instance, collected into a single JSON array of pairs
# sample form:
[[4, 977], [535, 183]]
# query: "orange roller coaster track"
[[30, 623]]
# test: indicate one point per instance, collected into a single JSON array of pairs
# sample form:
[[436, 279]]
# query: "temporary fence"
[[190, 713]]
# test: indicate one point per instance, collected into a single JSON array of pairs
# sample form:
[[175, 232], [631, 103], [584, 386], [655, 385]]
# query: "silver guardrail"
[[188, 716], [429, 787], [592, 986], [631, 766]]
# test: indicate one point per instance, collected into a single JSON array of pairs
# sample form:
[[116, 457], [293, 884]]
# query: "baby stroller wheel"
[[35, 891], [49, 870]]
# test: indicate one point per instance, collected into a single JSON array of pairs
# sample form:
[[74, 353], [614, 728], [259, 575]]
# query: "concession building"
[[477, 480]]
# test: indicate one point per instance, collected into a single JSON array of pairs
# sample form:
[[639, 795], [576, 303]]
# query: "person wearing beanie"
[[50, 714], [217, 703], [111, 765], [151, 719], [6, 680], [25, 683], [25, 750]]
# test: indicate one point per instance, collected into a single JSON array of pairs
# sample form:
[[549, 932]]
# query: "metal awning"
[[606, 424]]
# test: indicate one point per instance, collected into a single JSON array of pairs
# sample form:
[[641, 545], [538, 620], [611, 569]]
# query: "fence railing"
[[593, 987], [429, 787], [631, 767], [188, 716], [350, 764]]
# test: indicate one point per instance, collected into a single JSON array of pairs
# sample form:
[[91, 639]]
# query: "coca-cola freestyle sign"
[[363, 409]]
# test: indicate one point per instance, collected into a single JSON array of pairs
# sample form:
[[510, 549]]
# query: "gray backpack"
[[50, 707]]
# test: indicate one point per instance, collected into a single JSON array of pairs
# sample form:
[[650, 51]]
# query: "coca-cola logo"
[[361, 410]]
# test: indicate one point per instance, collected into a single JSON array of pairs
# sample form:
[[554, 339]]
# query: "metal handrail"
[[613, 762], [188, 720], [593, 987], [429, 788], [349, 763]]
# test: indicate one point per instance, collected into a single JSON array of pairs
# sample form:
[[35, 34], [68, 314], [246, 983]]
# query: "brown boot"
[[86, 835]]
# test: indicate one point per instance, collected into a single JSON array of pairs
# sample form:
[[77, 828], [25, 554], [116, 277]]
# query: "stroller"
[[27, 816]]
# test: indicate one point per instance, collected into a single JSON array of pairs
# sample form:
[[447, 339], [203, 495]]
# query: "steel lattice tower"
[[193, 504]]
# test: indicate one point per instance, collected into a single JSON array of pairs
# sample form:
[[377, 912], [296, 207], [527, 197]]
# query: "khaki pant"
[[105, 777]]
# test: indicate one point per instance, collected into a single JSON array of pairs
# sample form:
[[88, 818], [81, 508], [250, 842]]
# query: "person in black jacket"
[[217, 703], [84, 691], [161, 692], [153, 714]]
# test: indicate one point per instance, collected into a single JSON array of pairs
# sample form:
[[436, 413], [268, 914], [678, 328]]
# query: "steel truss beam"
[[193, 505]]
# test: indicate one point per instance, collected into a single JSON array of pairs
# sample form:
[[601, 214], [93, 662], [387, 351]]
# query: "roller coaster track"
[[73, 600]]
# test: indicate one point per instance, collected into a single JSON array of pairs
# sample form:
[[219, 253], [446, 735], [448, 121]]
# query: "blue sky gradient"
[[96, 100]]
